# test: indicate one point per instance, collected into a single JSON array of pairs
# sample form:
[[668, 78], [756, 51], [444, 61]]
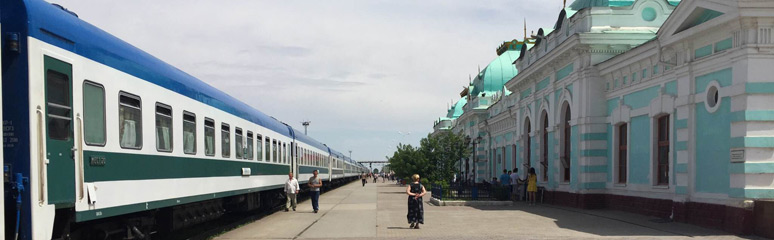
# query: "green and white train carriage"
[[110, 138], [337, 166], [310, 155]]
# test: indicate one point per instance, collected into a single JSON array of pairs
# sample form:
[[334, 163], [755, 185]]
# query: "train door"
[[2, 186], [294, 159], [59, 131]]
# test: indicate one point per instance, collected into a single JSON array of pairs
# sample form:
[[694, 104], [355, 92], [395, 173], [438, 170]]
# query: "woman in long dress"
[[531, 186], [416, 213]]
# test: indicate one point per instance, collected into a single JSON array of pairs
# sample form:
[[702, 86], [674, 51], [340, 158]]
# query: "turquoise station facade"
[[664, 108]]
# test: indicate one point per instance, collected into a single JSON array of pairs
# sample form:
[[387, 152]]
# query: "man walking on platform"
[[314, 190], [291, 190]]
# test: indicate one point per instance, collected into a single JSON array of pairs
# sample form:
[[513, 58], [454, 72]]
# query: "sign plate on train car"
[[97, 161]]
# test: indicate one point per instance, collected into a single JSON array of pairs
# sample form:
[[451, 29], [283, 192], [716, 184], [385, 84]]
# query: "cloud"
[[359, 70]]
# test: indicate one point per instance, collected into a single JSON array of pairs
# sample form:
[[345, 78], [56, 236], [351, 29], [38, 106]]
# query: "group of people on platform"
[[512, 181], [376, 176], [292, 189]]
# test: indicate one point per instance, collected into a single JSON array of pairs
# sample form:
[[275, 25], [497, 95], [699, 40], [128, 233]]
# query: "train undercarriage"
[[163, 223]]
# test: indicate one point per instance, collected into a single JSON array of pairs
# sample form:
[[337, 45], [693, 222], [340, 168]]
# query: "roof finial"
[[525, 29], [470, 80], [565, 4]]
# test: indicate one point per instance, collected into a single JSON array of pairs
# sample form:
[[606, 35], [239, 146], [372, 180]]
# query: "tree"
[[408, 160], [453, 149], [434, 160]]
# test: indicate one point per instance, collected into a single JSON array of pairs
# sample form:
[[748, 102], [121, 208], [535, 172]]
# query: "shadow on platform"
[[609, 223]]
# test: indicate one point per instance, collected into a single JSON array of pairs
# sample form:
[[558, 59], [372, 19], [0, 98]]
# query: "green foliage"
[[435, 159], [376, 171], [425, 182]]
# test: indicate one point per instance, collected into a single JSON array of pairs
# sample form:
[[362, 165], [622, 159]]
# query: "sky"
[[367, 74]]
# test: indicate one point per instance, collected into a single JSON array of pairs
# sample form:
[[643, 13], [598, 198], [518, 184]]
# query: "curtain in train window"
[[225, 137], [267, 150], [284, 153], [209, 137], [259, 147], [94, 114], [239, 150], [130, 121], [249, 151], [189, 133], [163, 128], [274, 150]]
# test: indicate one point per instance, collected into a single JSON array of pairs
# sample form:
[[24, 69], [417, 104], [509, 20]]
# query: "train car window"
[[163, 127], [267, 150], [225, 140], [259, 147], [284, 153], [239, 149], [279, 151], [130, 120], [94, 114], [58, 102], [249, 147], [189, 133], [209, 137], [274, 150]]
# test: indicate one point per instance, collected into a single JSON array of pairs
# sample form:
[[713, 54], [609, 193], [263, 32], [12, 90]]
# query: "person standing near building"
[[291, 190], [505, 181], [416, 213], [531, 185], [515, 183], [314, 190]]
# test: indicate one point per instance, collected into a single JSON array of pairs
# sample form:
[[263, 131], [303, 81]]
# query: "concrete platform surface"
[[378, 211]]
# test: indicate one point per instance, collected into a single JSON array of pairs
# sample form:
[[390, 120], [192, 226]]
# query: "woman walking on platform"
[[531, 186], [416, 213]]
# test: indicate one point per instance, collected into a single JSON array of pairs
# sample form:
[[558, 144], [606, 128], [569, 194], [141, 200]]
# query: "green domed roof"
[[456, 110], [496, 74]]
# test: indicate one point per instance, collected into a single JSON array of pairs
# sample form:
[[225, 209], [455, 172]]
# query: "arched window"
[[622, 152], [544, 147], [662, 150], [527, 145], [566, 143]]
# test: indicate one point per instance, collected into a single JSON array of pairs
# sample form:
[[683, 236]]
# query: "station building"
[[658, 107]]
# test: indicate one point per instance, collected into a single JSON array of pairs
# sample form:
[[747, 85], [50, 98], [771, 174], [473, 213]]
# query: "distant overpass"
[[370, 163]]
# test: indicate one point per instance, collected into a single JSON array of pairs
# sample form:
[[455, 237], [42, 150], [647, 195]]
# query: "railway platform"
[[378, 211]]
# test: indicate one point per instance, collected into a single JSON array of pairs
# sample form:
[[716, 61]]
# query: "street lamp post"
[[475, 158]]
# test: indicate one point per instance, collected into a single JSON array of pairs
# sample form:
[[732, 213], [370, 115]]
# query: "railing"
[[480, 192]]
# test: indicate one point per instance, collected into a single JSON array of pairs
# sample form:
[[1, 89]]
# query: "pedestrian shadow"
[[404, 193], [399, 228]]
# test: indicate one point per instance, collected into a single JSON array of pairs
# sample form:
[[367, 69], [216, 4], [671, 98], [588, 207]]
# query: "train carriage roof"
[[55, 26], [337, 154], [308, 140]]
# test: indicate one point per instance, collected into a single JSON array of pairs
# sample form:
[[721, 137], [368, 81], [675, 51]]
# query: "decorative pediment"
[[693, 13]]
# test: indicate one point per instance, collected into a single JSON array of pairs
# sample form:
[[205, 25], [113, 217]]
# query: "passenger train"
[[104, 141]]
